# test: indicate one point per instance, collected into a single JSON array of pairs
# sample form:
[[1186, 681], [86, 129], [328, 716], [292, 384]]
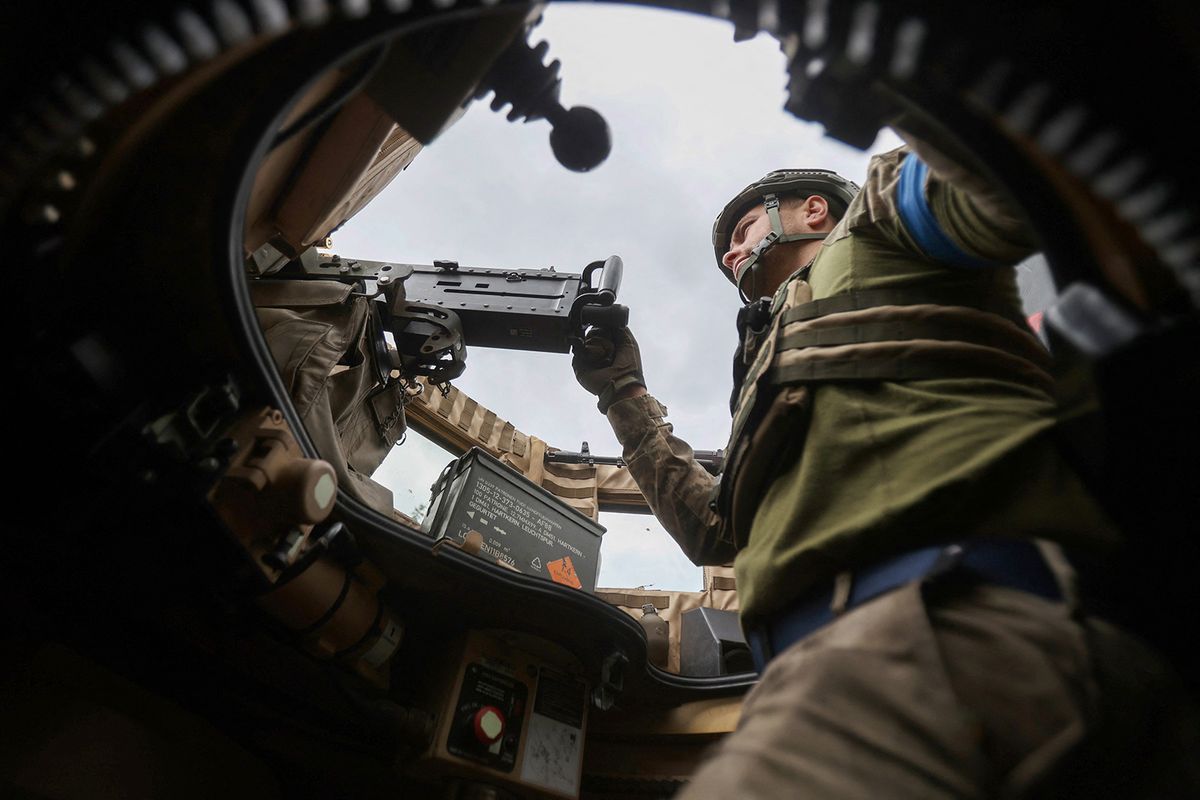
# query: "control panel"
[[513, 714], [486, 723]]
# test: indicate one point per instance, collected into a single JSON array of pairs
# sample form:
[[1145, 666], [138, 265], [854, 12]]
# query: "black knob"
[[580, 138]]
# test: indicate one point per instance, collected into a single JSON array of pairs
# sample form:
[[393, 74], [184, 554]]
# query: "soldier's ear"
[[816, 211]]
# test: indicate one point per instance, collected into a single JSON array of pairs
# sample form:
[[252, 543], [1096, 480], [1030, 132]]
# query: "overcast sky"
[[694, 118]]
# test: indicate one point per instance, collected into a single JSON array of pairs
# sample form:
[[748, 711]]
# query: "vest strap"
[[871, 298], [985, 363], [899, 331]]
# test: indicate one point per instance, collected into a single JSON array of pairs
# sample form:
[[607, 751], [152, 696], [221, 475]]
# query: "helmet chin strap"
[[776, 236]]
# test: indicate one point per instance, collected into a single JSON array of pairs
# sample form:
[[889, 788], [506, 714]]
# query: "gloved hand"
[[607, 362]]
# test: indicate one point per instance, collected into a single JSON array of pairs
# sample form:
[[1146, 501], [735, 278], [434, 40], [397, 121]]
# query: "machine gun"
[[713, 461], [434, 311]]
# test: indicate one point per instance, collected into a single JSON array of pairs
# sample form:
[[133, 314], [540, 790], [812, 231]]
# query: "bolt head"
[[42, 214], [62, 180]]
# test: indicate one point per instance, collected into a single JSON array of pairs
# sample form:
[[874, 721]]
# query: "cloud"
[[694, 119], [637, 552]]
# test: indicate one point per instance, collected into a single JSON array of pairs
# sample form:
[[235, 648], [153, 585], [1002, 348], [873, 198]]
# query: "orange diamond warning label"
[[563, 571]]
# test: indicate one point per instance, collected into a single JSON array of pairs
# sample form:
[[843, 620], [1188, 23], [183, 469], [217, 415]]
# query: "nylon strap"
[[771, 204], [909, 368], [871, 298], [943, 330], [630, 600], [569, 492], [776, 236], [861, 369]]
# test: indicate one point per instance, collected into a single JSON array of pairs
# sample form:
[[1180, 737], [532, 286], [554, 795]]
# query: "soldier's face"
[[749, 231], [798, 216]]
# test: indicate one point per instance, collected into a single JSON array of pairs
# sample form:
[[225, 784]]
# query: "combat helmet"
[[836, 190]]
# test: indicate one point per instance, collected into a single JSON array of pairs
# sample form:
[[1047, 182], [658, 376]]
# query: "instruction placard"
[[554, 741]]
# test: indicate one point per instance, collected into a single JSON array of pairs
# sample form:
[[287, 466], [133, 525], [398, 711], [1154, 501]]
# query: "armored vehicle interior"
[[207, 592]]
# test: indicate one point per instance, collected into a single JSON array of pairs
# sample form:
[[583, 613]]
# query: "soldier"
[[897, 508]]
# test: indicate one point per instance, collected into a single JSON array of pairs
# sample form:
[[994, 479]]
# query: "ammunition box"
[[522, 525]]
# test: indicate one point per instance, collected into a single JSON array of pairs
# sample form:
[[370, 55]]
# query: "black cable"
[[337, 98]]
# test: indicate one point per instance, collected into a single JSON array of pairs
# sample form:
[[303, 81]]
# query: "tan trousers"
[[960, 691]]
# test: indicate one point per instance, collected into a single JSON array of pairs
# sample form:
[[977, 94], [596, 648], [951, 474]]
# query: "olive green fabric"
[[888, 467], [886, 343]]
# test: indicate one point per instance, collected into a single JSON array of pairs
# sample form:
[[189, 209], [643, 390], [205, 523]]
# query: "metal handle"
[[597, 307], [610, 281]]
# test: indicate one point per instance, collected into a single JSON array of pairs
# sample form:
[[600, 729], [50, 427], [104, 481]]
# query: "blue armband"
[[922, 225]]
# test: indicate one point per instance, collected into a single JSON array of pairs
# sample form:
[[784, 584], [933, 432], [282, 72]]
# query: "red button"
[[489, 725]]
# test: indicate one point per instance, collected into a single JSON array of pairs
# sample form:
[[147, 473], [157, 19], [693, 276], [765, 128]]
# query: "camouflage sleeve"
[[928, 203], [675, 486]]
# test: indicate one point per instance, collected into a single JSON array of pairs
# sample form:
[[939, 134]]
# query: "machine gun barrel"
[[713, 461]]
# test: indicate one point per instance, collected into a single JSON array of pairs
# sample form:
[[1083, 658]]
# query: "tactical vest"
[[874, 335]]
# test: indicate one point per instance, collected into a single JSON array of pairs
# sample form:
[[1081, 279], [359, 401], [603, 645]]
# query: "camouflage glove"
[[607, 362]]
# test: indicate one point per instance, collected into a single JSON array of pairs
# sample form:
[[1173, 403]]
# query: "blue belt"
[[1015, 563]]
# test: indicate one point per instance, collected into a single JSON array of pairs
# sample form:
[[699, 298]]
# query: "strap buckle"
[[948, 560], [767, 242]]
